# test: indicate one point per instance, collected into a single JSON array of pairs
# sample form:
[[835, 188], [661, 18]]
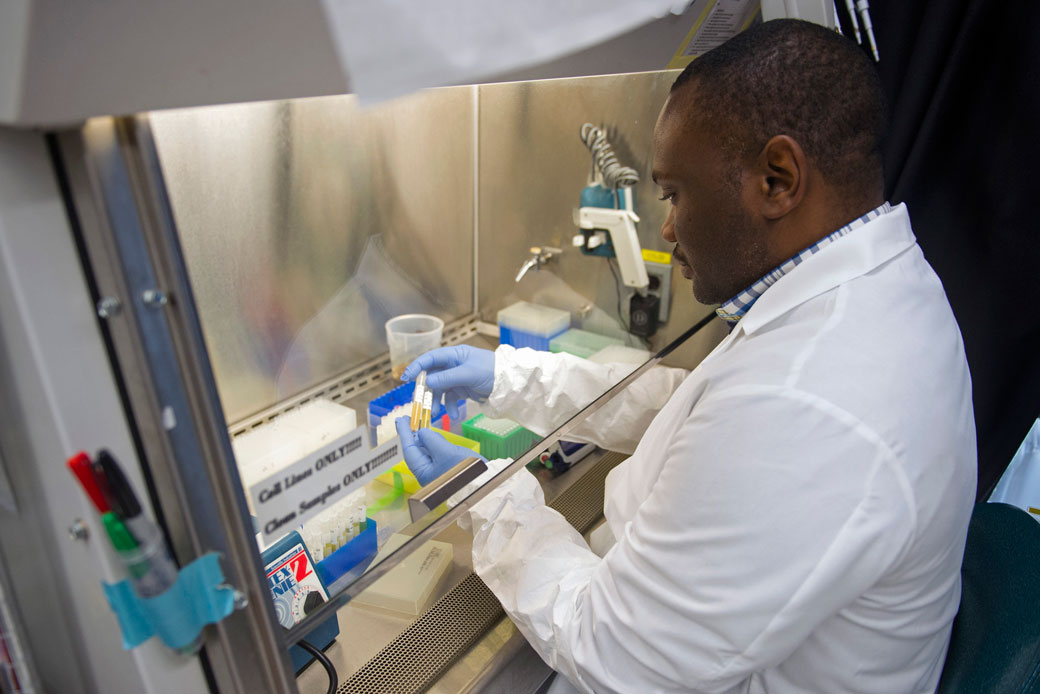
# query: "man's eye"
[[668, 196]]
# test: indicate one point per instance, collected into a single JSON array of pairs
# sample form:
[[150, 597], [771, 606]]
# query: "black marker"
[[120, 495], [124, 503]]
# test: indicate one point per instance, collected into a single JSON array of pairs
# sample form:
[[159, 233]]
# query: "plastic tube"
[[417, 401], [427, 408], [868, 27]]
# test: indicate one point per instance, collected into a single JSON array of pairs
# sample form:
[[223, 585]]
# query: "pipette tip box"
[[498, 438], [524, 324], [409, 588], [581, 343], [266, 449], [620, 354]]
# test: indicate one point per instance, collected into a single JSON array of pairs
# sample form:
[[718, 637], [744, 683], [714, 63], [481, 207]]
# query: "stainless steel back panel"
[[533, 166], [306, 224]]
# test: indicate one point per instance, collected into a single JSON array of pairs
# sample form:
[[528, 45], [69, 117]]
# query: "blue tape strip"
[[199, 597]]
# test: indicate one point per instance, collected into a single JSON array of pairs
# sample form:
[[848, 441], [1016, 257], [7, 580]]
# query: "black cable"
[[621, 319], [325, 663], [617, 289]]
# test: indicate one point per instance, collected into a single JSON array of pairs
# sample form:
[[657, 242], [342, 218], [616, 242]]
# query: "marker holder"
[[150, 566], [158, 599]]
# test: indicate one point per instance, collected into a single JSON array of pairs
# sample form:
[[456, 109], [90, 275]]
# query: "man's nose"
[[668, 228]]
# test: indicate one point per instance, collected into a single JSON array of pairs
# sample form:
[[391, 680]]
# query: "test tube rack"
[[402, 395]]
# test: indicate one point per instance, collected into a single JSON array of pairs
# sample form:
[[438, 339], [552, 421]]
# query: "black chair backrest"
[[995, 646]]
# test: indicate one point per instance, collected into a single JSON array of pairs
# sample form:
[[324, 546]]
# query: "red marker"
[[80, 466]]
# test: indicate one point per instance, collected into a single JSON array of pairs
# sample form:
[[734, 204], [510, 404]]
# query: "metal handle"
[[437, 492]]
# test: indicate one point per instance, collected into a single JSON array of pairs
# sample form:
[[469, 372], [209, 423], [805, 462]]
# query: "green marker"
[[124, 542], [121, 538]]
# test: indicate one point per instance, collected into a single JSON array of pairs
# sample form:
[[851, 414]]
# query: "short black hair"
[[795, 78]]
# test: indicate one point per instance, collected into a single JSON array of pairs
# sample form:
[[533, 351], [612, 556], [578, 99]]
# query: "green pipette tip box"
[[581, 343], [499, 438]]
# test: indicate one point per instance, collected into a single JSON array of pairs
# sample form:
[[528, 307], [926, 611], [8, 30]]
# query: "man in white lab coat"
[[793, 517]]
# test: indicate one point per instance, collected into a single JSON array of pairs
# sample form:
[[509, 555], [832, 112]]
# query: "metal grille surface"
[[413, 660], [582, 503]]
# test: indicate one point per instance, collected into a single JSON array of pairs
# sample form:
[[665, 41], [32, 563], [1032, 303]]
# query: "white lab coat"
[[793, 518]]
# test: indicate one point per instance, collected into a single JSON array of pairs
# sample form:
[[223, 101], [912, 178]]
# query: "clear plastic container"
[[152, 572], [410, 335]]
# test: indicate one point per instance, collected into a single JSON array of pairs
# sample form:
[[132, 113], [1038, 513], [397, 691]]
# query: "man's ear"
[[780, 170]]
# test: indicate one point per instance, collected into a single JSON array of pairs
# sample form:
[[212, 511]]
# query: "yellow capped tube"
[[417, 401], [427, 408]]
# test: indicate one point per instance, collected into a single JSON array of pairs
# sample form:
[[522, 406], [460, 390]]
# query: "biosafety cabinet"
[[201, 292]]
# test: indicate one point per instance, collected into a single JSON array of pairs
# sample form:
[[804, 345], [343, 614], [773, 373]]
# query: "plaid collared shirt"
[[734, 309]]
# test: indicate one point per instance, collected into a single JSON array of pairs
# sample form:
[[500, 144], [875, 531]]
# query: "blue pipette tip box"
[[524, 324]]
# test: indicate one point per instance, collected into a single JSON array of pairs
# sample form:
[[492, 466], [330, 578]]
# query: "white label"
[[309, 486], [724, 21]]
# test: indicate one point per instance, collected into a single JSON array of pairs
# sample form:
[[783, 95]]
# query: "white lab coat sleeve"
[[542, 390], [773, 510]]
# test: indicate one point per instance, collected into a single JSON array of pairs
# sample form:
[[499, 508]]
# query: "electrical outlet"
[[660, 275]]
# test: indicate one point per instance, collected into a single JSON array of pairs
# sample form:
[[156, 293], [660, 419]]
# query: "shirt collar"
[[733, 310]]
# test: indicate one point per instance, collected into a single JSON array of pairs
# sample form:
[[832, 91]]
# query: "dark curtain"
[[962, 81]]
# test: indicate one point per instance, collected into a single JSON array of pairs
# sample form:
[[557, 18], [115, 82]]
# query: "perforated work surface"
[[582, 503], [413, 661]]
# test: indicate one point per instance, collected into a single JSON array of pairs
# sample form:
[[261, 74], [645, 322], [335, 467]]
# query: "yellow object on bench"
[[401, 478]]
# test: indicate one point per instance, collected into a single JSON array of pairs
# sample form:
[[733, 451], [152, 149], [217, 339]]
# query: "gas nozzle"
[[540, 255]]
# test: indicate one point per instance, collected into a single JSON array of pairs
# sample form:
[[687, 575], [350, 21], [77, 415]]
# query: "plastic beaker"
[[409, 336]]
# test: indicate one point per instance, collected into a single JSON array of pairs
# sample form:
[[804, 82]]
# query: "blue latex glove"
[[456, 372], [428, 454]]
